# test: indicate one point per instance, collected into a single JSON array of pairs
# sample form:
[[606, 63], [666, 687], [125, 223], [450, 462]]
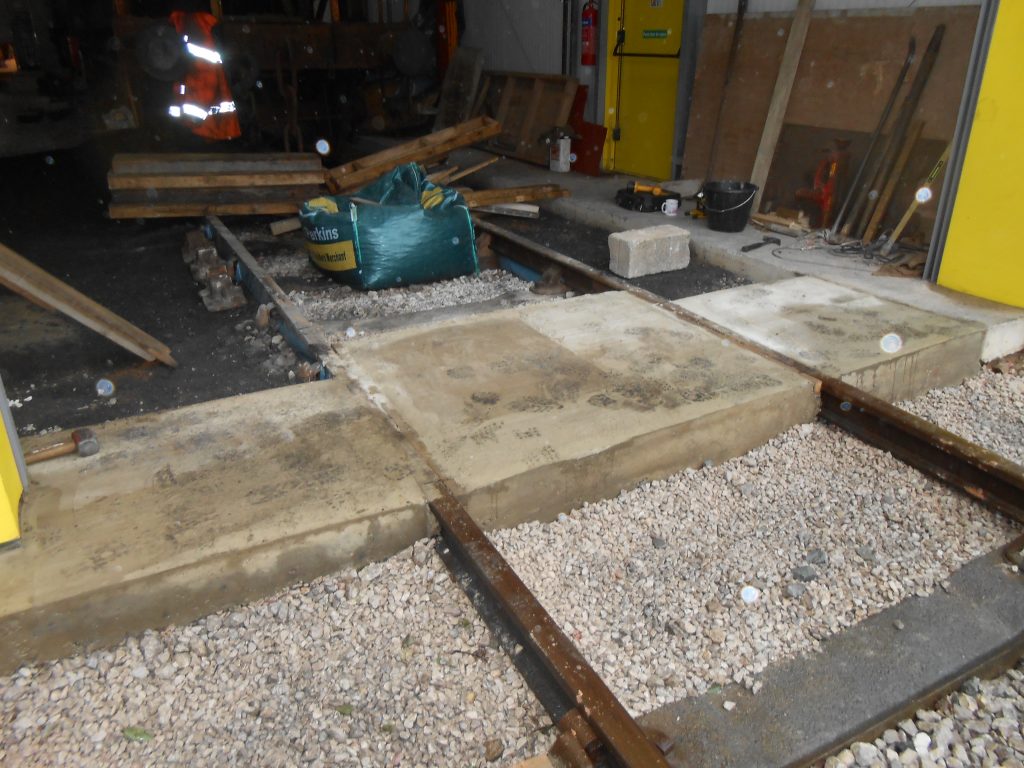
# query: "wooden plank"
[[476, 198], [528, 106], [187, 210], [885, 198], [780, 98], [212, 180], [215, 162], [281, 226], [210, 195], [518, 210], [473, 169], [24, 277], [352, 176]]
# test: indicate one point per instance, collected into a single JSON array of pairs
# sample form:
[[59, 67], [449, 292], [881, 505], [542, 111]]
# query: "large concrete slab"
[[534, 410], [189, 511], [860, 682], [891, 350]]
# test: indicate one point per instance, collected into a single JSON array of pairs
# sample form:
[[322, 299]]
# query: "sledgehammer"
[[83, 442]]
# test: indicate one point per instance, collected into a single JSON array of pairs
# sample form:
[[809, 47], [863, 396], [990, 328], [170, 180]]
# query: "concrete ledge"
[[890, 350], [191, 511], [535, 410], [815, 705]]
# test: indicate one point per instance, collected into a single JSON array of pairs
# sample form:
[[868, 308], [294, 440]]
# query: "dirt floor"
[[49, 364]]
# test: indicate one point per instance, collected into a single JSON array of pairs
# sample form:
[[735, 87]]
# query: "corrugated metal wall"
[[516, 35], [788, 6]]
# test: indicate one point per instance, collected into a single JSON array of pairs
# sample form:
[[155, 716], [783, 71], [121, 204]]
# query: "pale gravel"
[[374, 668], [979, 725], [987, 409], [339, 302]]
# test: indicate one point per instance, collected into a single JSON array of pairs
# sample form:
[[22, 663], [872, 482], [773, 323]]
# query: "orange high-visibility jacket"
[[204, 98]]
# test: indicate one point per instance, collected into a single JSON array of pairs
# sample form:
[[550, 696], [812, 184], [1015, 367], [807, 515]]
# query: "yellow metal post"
[[11, 485], [982, 250], [641, 86]]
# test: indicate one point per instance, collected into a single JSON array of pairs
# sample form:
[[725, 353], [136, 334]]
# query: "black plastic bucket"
[[728, 203]]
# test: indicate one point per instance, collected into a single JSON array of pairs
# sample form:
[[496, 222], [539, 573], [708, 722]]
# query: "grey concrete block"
[[650, 250]]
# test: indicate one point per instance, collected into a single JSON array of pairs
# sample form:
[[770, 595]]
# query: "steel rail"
[[980, 473], [625, 742]]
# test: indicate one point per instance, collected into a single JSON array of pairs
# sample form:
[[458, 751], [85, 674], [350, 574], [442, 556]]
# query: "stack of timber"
[[358, 173], [150, 186], [529, 107]]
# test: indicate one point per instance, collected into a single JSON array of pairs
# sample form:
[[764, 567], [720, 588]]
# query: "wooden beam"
[[474, 168], [189, 210], [475, 198], [358, 173], [780, 98], [25, 278], [212, 180]]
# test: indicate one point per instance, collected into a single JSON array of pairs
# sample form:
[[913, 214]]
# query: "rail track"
[[594, 728]]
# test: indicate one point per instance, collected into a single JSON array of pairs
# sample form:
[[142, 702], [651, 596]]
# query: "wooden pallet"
[[200, 184], [528, 106], [40, 287]]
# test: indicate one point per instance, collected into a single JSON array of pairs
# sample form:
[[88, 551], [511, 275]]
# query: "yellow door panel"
[[982, 252], [640, 93], [10, 488]]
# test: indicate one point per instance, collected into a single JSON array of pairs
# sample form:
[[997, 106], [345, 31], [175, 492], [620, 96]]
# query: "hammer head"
[[85, 441]]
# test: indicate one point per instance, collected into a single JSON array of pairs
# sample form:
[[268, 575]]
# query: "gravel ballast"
[[339, 302], [391, 666], [979, 725]]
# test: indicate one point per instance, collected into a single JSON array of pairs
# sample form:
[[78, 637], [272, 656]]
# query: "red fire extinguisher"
[[588, 49]]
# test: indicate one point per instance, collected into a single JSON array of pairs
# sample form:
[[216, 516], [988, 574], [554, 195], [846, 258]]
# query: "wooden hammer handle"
[[63, 449]]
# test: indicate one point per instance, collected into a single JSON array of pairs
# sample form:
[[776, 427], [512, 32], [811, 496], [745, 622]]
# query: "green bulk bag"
[[399, 230]]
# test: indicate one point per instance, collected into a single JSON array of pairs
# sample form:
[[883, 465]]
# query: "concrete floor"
[[593, 202]]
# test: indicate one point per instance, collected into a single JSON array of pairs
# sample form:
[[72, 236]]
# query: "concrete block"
[[535, 410], [187, 512], [891, 350], [648, 251]]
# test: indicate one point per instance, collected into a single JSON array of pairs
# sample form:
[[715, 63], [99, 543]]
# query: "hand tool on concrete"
[[83, 442], [765, 241], [644, 198]]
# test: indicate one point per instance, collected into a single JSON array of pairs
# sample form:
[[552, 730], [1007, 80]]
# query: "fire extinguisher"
[[588, 49]]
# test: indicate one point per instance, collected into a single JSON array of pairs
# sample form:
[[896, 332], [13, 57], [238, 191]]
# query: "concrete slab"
[[186, 512], [861, 680], [888, 349], [592, 203], [534, 410]]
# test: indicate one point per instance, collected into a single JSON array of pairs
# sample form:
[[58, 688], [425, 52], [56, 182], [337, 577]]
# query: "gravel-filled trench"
[[391, 666]]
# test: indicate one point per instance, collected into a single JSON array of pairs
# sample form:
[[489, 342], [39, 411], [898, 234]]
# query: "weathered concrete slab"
[[186, 512], [861, 680], [648, 251], [889, 349], [534, 410]]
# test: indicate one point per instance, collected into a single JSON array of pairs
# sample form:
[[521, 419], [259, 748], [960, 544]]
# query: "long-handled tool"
[[922, 195], [854, 189], [83, 442]]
